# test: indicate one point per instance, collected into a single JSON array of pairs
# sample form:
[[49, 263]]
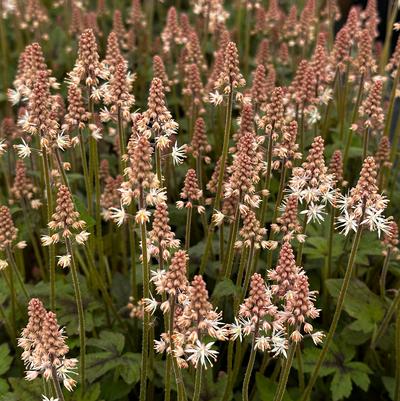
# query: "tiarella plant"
[[199, 200]]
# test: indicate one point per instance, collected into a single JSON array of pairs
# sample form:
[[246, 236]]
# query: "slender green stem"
[[285, 373], [35, 246], [353, 120], [88, 187], [336, 316], [267, 177], [229, 381], [197, 383], [225, 148], [99, 282], [230, 252], [122, 140], [397, 350], [146, 319], [81, 315], [301, 245], [365, 143], [61, 169], [218, 195], [132, 244], [177, 371], [221, 242], [382, 279], [250, 267], [11, 260], [56, 383], [330, 241], [300, 367], [11, 331], [188, 227], [13, 298], [167, 396], [388, 120], [52, 254], [94, 163], [158, 165], [247, 40], [386, 320], [391, 18], [249, 370]]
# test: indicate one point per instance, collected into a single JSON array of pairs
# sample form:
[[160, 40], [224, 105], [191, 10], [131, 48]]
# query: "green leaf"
[[360, 303], [92, 393], [390, 384], [310, 357], [317, 247], [99, 363], [120, 288], [109, 341], [130, 367], [341, 386], [23, 390], [84, 214], [266, 388], [361, 379], [113, 390], [224, 288], [3, 386], [5, 358], [111, 360]]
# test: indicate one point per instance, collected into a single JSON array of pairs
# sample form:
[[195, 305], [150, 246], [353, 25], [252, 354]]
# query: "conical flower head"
[[65, 218], [285, 272], [175, 280], [8, 232], [230, 77]]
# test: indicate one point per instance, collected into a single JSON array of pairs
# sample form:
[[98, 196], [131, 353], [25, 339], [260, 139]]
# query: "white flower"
[[21, 245], [3, 147], [48, 399], [218, 217], [317, 337], [23, 149], [315, 213], [82, 237], [279, 344], [375, 221], [202, 353], [3, 264], [160, 346], [142, 216], [326, 96], [215, 98], [95, 131], [46, 240], [313, 115], [347, 222], [117, 215], [64, 261], [163, 141], [31, 375], [262, 343], [62, 141], [36, 203], [235, 330], [14, 96], [157, 275], [178, 154], [156, 196], [150, 304]]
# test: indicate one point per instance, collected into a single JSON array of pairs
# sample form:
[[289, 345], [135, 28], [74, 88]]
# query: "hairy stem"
[[81, 316], [336, 316]]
